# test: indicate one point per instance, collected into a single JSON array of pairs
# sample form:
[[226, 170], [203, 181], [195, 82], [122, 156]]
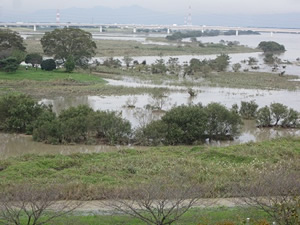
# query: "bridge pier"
[[34, 28], [168, 31], [203, 29], [271, 34], [237, 33], [134, 30], [101, 29]]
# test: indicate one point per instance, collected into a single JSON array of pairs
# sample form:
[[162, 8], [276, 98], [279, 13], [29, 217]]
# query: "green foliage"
[[9, 64], [112, 63], [111, 127], [11, 40], [75, 124], [159, 67], [278, 112], [48, 65], [236, 67], [62, 43], [33, 59], [221, 62], [271, 46], [70, 64], [221, 122], [191, 124], [18, 113], [80, 125], [263, 117], [127, 60], [291, 119], [248, 110], [269, 58]]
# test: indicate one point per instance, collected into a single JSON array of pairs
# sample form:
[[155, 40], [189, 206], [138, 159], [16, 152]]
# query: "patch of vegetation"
[[94, 176]]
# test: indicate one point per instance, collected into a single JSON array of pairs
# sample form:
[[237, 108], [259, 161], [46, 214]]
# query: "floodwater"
[[16, 145], [290, 41], [12, 145]]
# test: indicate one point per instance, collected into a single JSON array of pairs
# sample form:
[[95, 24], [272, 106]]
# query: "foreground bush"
[[190, 124], [248, 110], [18, 113], [81, 125]]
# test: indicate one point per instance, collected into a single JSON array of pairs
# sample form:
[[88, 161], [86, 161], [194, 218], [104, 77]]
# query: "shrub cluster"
[[82, 125], [191, 124], [277, 115], [20, 113]]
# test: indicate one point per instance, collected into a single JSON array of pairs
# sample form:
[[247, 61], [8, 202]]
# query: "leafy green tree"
[[248, 110], [271, 47], [48, 65], [221, 62], [18, 113], [221, 122], [185, 124], [11, 40], [9, 64], [127, 60], [111, 127], [75, 124], [173, 65], [269, 58], [291, 119], [70, 64], [263, 117], [236, 67], [62, 43], [278, 112], [159, 67], [33, 59]]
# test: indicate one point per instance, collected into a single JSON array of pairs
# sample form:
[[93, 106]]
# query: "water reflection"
[[12, 145]]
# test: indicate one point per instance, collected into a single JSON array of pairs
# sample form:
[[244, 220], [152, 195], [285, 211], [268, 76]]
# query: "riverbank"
[[94, 176]]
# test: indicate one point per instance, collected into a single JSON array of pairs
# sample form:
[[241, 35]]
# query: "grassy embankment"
[[92, 176], [194, 216], [42, 84], [110, 48]]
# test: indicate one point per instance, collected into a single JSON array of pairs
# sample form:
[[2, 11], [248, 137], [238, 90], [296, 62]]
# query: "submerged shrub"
[[263, 118], [18, 113], [191, 124], [278, 112], [248, 110], [111, 127]]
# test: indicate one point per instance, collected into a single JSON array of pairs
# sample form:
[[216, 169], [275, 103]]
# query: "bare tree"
[[162, 202], [27, 204], [277, 193]]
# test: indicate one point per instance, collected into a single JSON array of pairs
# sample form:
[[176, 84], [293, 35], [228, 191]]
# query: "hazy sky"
[[168, 6]]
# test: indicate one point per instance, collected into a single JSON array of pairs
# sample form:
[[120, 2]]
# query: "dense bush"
[[70, 64], [48, 65], [81, 125], [33, 59], [112, 63], [9, 64], [221, 122], [277, 115], [248, 110], [159, 66], [18, 113], [271, 46], [191, 124], [111, 127]]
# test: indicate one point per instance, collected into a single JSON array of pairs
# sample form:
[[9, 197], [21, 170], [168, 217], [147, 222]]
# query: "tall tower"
[[57, 16], [189, 21]]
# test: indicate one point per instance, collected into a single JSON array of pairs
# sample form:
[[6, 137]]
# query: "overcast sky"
[[168, 6]]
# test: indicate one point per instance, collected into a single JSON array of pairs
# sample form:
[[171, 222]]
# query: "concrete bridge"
[[134, 27]]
